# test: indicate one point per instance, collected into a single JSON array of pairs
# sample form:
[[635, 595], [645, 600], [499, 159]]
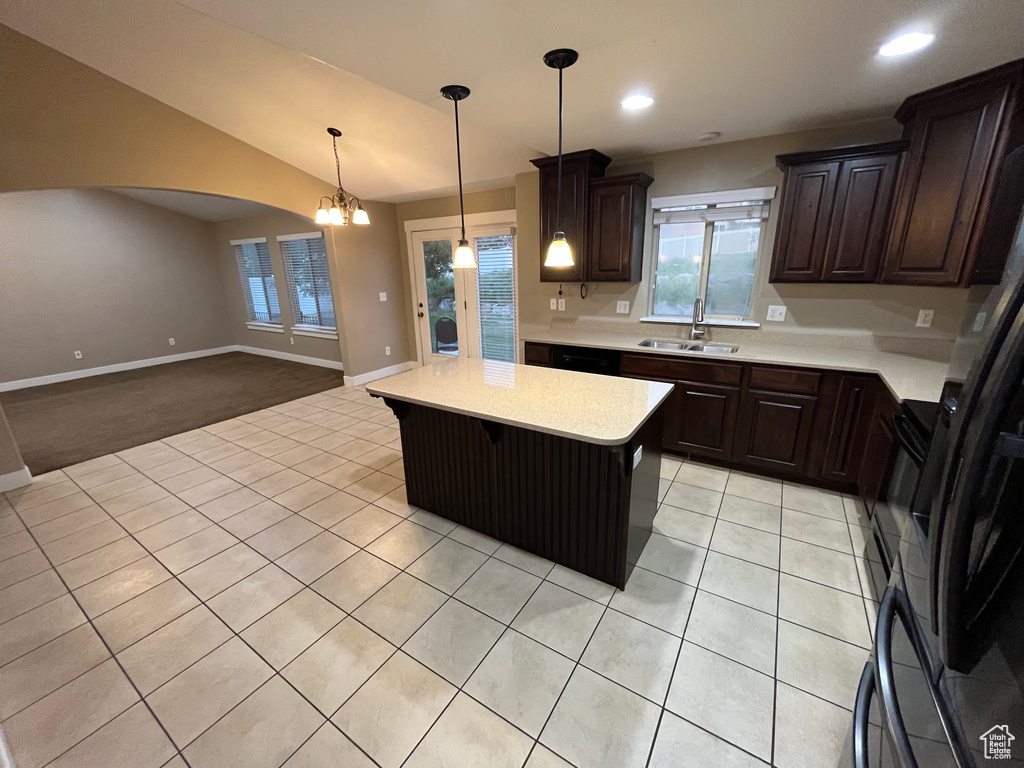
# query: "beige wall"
[[503, 199], [65, 125], [875, 309], [268, 225], [112, 277], [10, 456]]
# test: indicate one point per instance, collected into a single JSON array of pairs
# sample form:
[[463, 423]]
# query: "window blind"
[[258, 286], [309, 281], [496, 294]]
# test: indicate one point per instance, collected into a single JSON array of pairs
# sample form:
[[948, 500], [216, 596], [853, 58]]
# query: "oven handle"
[[886, 680], [908, 440], [861, 712]]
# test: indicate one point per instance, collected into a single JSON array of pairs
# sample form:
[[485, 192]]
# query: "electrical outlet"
[[291, 340], [776, 313], [925, 317], [622, 307], [979, 321], [387, 350], [383, 295], [554, 304], [171, 342], [561, 305], [78, 355]]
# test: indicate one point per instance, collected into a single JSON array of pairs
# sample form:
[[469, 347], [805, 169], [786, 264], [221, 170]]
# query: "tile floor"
[[259, 593]]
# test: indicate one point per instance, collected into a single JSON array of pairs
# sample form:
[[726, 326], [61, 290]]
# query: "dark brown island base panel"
[[821, 427], [586, 506]]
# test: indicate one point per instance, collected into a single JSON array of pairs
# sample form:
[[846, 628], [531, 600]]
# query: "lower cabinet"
[[877, 465], [702, 419], [800, 423], [775, 430]]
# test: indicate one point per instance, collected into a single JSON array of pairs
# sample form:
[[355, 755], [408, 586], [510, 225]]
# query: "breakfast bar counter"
[[561, 464]]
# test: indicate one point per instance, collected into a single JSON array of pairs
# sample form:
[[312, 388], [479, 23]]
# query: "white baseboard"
[[55, 378], [335, 364], [363, 378], [12, 480]]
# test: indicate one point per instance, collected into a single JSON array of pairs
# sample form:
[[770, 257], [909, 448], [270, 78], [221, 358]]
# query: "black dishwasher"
[[587, 360]]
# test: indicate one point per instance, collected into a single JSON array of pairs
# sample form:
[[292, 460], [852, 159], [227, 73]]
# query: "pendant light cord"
[[558, 196], [337, 162], [458, 155]]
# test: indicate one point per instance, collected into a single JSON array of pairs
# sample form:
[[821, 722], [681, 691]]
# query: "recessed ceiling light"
[[637, 101], [908, 43]]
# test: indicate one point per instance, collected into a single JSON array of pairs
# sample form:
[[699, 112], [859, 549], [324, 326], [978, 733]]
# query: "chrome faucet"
[[697, 327]]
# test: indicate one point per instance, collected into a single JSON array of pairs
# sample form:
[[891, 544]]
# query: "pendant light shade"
[[340, 207], [559, 252], [464, 256]]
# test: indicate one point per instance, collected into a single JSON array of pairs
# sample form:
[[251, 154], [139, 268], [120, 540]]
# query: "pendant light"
[[343, 207], [559, 253], [464, 258]]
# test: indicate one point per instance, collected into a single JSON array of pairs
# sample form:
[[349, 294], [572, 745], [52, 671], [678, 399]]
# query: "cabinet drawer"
[[675, 368], [797, 380], [538, 354]]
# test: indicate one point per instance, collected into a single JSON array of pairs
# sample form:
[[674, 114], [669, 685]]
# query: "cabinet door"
[[942, 196], [807, 197], [848, 426], [860, 218], [702, 419], [617, 218], [775, 430], [878, 452], [578, 168]]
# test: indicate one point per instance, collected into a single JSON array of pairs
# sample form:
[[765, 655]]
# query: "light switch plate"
[[383, 295], [622, 307], [561, 305], [78, 355], [979, 321], [776, 313], [387, 350], [171, 342], [554, 303], [925, 317]]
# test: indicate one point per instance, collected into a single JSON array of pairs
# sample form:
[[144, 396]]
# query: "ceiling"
[[275, 74], [196, 204]]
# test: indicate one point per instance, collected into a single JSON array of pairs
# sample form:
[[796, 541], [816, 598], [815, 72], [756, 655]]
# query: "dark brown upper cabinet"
[[959, 134], [618, 209], [578, 168], [835, 213]]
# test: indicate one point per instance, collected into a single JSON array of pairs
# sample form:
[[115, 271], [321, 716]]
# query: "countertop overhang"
[[906, 376], [605, 410]]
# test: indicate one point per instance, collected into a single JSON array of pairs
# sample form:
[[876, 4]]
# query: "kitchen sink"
[[688, 346]]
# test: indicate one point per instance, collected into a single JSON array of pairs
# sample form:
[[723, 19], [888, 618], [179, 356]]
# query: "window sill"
[[712, 321], [269, 327], [315, 331]]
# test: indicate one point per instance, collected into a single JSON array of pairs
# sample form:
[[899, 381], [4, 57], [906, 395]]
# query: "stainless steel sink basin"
[[689, 346]]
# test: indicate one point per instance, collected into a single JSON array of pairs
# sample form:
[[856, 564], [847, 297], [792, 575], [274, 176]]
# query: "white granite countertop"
[[906, 376], [596, 409]]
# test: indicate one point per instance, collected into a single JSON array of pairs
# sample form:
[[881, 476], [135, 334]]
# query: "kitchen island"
[[561, 464]]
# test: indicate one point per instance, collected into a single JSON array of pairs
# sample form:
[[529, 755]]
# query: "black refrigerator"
[[945, 685]]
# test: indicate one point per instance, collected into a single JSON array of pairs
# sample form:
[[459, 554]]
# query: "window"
[[309, 282], [496, 294], [257, 276], [706, 246]]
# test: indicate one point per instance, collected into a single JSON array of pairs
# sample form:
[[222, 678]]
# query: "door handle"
[[861, 712], [886, 679]]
